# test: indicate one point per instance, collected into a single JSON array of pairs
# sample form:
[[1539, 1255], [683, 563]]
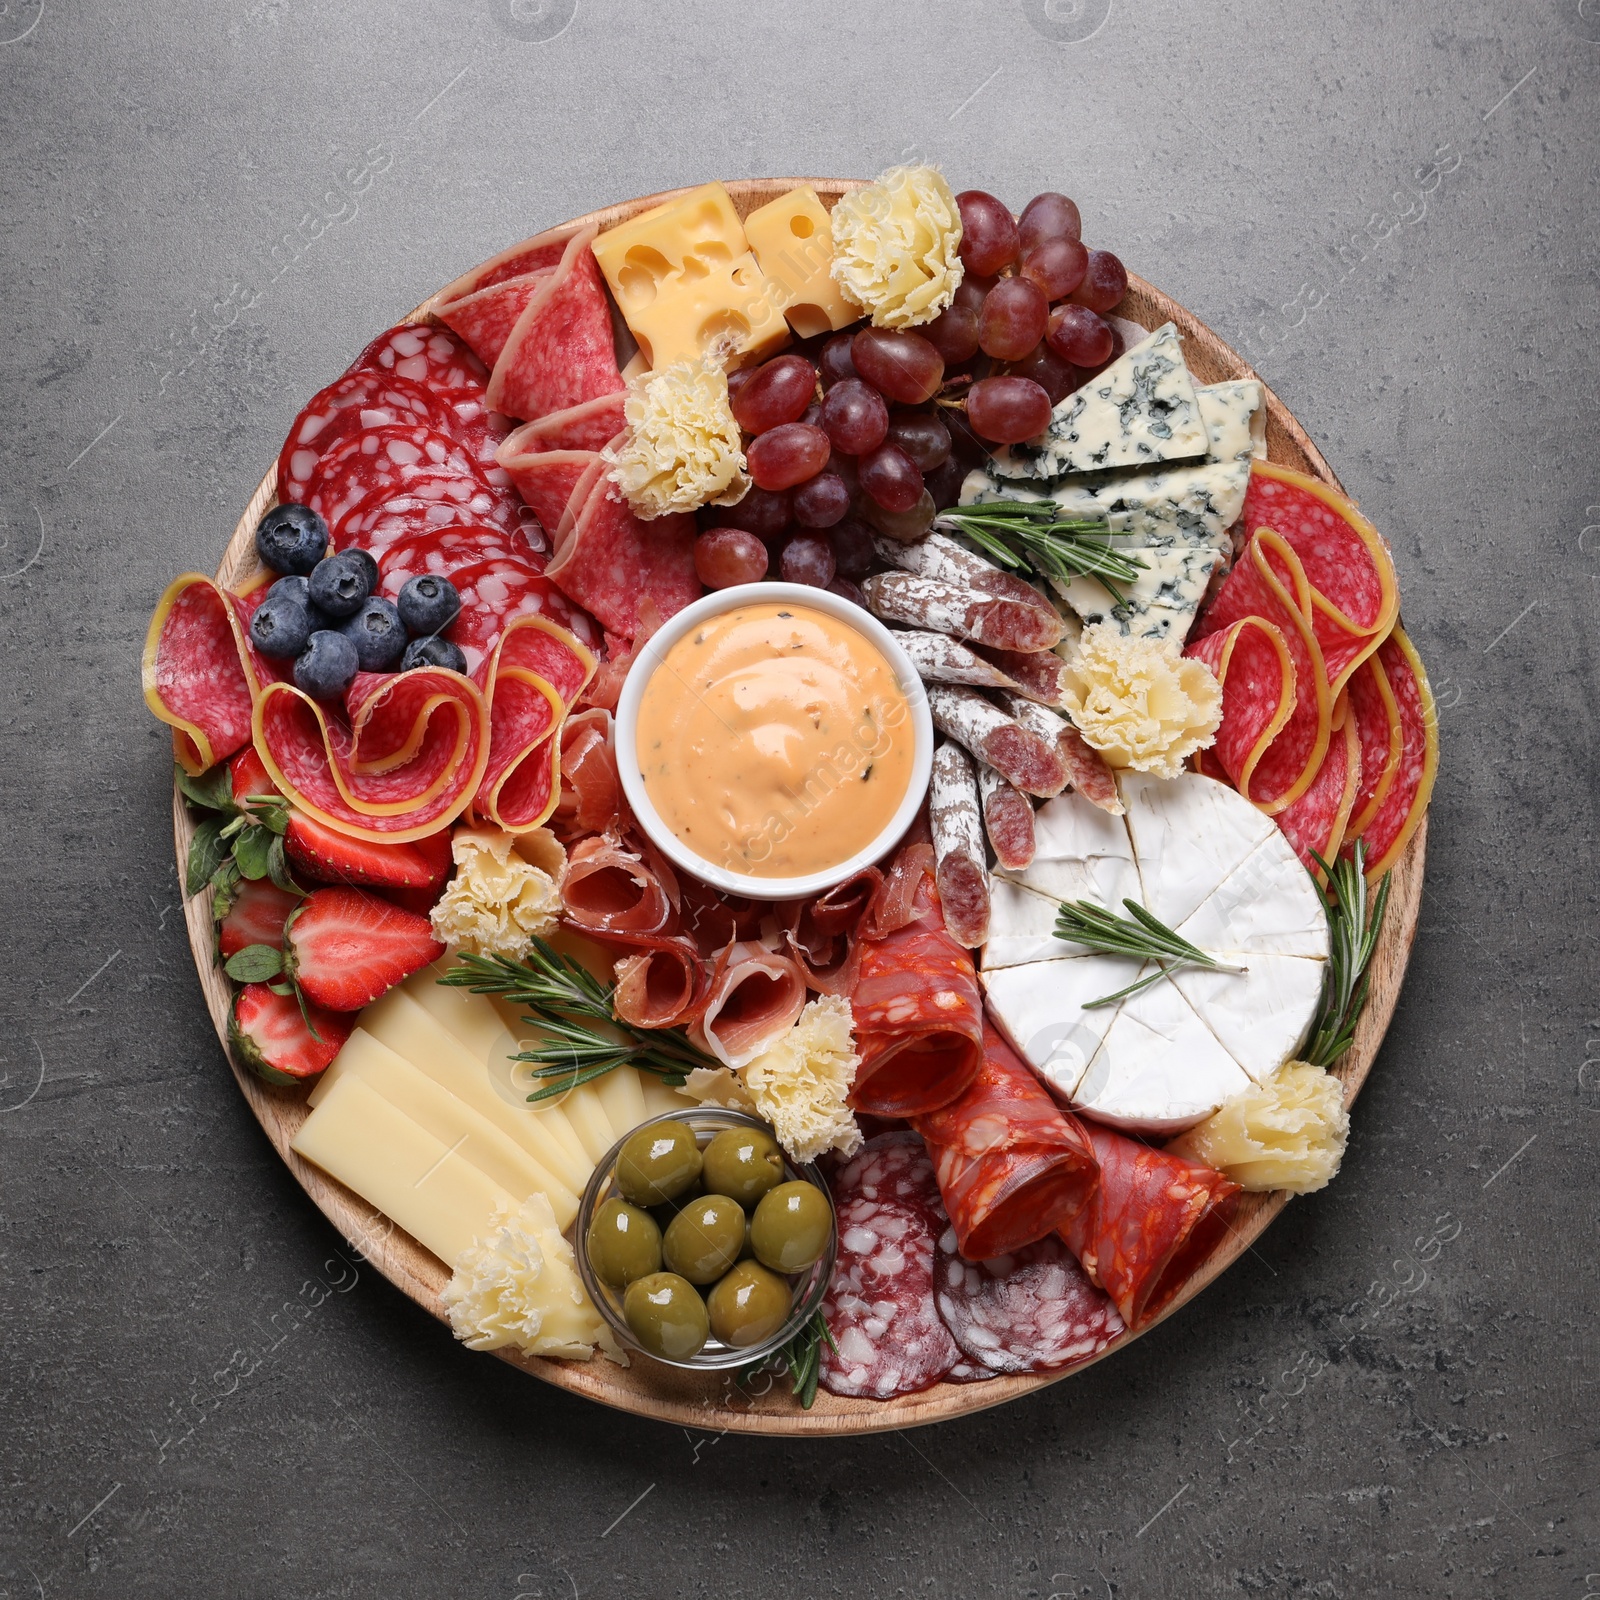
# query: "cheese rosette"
[[1214, 868]]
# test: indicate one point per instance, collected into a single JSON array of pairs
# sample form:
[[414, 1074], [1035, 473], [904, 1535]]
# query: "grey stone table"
[[1389, 208]]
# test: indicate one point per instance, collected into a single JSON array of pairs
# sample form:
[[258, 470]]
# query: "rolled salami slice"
[[755, 996], [1033, 1310], [942, 558], [1008, 820], [1087, 771], [879, 1305], [1151, 1221], [1019, 755], [1012, 1166], [960, 866], [965, 612], [1315, 824], [918, 1013]]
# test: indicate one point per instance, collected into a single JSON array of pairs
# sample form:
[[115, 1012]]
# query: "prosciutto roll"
[[612, 892], [1012, 1166], [1153, 1219], [755, 997], [662, 986]]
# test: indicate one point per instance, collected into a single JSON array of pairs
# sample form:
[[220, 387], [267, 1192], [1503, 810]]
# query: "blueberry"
[[326, 665], [291, 538], [433, 652], [298, 590], [428, 603], [377, 633], [342, 582], [364, 560], [281, 624]]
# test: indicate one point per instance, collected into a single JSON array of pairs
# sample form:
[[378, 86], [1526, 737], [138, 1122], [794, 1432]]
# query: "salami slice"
[[589, 426], [429, 500], [1151, 1221], [1007, 819], [382, 460], [494, 593], [960, 867], [918, 1013], [547, 481], [486, 316], [1251, 660], [965, 612], [199, 671], [1033, 764], [892, 1166], [434, 357], [542, 250], [944, 559], [1012, 1166], [1087, 771], [1316, 822], [879, 1305], [445, 551], [1399, 812], [560, 353], [1033, 1310]]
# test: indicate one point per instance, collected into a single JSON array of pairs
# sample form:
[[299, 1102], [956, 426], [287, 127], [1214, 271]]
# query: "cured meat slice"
[[486, 316], [589, 426], [445, 551], [1012, 1166], [661, 987], [960, 870], [940, 659], [715, 920], [944, 559], [1153, 1218], [892, 1166], [428, 355], [611, 563], [357, 401], [1033, 764], [201, 675], [754, 997], [966, 612], [1378, 726], [1399, 812], [497, 591], [1038, 674], [918, 1013], [1251, 660], [1032, 1310], [879, 1305], [894, 904], [547, 481], [842, 908], [542, 250], [1007, 819], [591, 789], [1087, 771], [482, 432], [382, 459], [611, 892], [560, 353], [1316, 822], [429, 500]]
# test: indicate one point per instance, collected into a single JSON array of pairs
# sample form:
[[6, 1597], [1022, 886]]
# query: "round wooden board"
[[712, 1401]]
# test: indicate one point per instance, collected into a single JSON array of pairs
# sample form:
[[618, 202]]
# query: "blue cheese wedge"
[[1235, 415], [1141, 410]]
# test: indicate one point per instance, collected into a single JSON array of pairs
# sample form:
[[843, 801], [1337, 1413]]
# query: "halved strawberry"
[[269, 1034], [345, 948], [249, 775], [318, 852], [257, 916]]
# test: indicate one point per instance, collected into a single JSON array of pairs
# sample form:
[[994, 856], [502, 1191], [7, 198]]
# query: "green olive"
[[667, 1315], [658, 1162], [624, 1243], [748, 1305], [744, 1163], [705, 1238], [791, 1226]]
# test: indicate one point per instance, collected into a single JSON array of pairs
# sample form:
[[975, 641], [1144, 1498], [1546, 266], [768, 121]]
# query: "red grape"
[[846, 590], [854, 417], [844, 467], [1008, 410], [807, 558], [1048, 216], [1056, 377], [1013, 319], [1057, 266], [890, 478], [944, 483], [1119, 348], [1079, 336], [922, 436], [737, 381], [954, 334], [970, 293], [726, 556], [900, 364], [1104, 284], [776, 393], [852, 546], [819, 502], [763, 512], [905, 527], [786, 455], [834, 362], [988, 235]]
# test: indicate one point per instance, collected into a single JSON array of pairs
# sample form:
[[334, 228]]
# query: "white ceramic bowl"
[[654, 651]]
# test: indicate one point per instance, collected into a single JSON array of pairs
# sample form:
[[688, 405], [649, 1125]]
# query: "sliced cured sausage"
[[428, 355], [589, 426], [966, 612], [486, 316], [548, 479], [1033, 764], [383, 460], [1315, 824], [1007, 819], [429, 500], [960, 867], [1087, 771], [1397, 814], [944, 559]]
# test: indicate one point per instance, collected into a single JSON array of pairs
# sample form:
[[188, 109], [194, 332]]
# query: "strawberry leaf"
[[271, 812], [305, 1014], [224, 888], [281, 988], [251, 850], [207, 851], [254, 964], [278, 868], [212, 791]]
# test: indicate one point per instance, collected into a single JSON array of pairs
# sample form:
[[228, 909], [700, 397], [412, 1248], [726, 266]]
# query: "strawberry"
[[326, 856], [269, 1034], [248, 774], [345, 948], [256, 915]]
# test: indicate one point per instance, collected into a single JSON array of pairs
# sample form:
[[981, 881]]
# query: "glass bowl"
[[808, 1287]]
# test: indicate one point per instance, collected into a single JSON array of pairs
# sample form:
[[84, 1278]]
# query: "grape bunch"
[[887, 445]]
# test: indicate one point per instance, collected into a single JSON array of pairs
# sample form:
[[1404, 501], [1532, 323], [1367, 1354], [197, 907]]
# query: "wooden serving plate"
[[711, 1401]]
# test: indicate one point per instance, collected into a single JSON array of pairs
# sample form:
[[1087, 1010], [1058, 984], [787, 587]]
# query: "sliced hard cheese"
[[1141, 409], [792, 237], [659, 1099], [622, 1099], [439, 1197]]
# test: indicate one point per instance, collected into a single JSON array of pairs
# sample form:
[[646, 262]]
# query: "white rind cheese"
[[1206, 862]]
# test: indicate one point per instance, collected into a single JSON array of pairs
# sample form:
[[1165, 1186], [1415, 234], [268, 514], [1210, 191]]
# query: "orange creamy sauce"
[[774, 741]]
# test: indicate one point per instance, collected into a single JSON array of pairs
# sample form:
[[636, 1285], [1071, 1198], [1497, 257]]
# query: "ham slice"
[[755, 997], [591, 791]]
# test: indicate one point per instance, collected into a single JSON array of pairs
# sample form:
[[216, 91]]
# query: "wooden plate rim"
[[712, 1402]]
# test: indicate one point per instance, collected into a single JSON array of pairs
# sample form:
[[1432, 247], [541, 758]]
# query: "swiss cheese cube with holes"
[[686, 280], [792, 237]]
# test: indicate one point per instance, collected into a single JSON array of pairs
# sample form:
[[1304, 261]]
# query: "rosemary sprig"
[[1031, 535], [1355, 918], [803, 1357], [567, 1003], [1139, 935]]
